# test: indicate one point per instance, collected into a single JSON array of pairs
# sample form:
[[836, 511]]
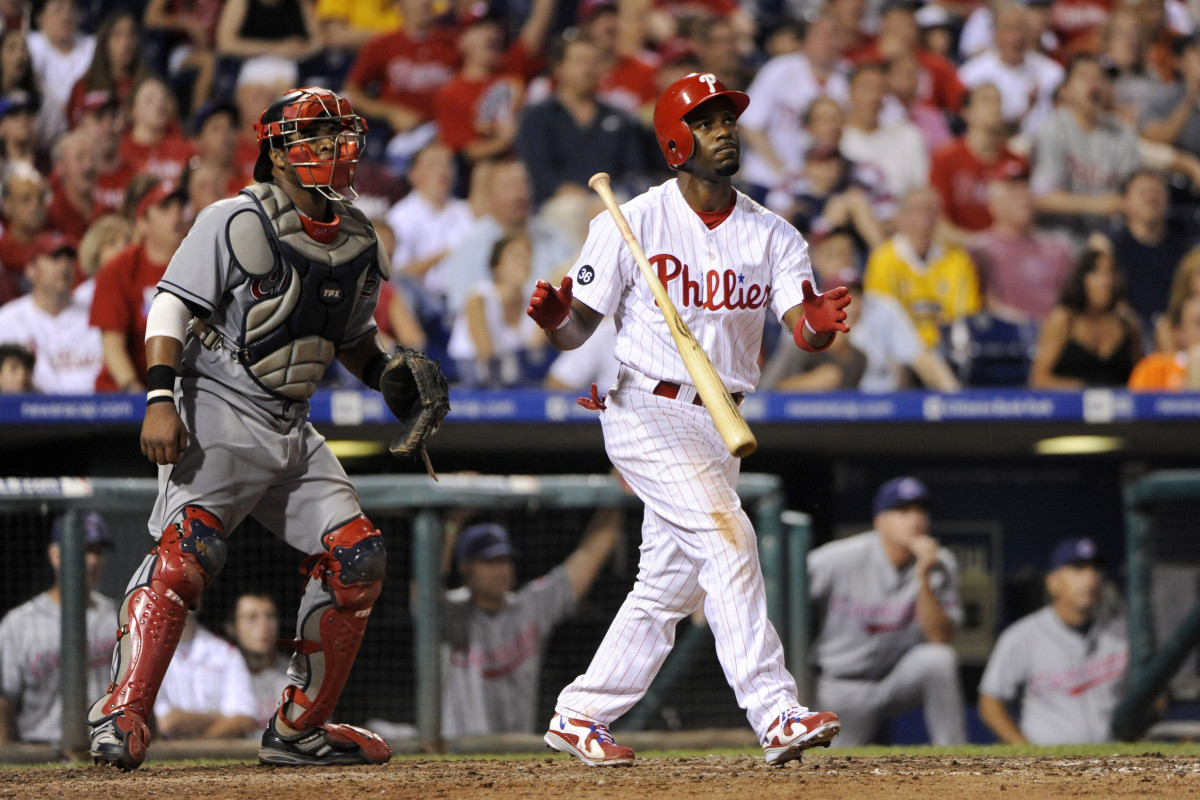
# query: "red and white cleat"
[[796, 730], [588, 741]]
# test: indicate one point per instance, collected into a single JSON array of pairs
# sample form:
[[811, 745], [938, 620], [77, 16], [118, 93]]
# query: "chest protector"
[[302, 294]]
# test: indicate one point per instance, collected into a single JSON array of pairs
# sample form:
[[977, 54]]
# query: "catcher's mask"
[[285, 125]]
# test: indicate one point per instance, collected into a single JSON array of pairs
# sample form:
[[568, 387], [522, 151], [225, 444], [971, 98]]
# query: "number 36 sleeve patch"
[[586, 274]]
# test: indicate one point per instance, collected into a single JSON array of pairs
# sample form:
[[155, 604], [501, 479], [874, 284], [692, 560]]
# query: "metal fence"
[[396, 677]]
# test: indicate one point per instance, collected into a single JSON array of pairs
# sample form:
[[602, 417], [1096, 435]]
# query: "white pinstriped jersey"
[[721, 282]]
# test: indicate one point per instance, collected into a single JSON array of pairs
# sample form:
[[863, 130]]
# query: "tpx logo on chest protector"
[[330, 293]]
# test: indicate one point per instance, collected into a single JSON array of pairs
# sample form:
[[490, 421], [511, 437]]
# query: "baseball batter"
[[888, 608], [1064, 664], [724, 260], [281, 279]]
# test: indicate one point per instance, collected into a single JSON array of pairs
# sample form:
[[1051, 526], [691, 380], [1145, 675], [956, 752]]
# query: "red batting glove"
[[593, 403], [823, 313], [550, 307]]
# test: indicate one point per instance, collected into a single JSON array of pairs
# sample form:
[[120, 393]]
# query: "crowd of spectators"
[[993, 175]]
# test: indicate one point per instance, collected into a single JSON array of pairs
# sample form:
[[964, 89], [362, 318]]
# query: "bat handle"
[[599, 177]]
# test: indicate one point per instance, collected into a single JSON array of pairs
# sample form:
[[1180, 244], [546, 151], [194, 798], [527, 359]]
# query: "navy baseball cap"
[[95, 530], [900, 492], [1075, 551], [484, 541]]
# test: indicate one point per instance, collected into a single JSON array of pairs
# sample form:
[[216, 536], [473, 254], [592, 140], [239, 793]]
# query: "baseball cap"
[[210, 109], [900, 492], [483, 541], [590, 9], [95, 530], [163, 192], [18, 100], [93, 101], [1075, 551], [51, 243]]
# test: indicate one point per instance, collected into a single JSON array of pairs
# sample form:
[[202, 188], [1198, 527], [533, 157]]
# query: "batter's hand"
[[550, 307], [164, 436], [825, 313]]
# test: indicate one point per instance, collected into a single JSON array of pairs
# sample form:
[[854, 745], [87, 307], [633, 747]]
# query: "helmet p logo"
[[709, 79]]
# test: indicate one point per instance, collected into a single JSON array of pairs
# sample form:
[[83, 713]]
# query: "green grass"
[[965, 751]]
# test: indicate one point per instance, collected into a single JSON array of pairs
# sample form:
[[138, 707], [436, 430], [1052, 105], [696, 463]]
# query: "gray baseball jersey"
[[1068, 682], [30, 653], [491, 662], [868, 608], [284, 305]]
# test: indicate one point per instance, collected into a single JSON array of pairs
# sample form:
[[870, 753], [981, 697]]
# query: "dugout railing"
[[783, 540]]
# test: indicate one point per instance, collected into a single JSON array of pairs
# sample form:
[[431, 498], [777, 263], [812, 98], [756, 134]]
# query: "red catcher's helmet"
[[281, 127], [674, 136]]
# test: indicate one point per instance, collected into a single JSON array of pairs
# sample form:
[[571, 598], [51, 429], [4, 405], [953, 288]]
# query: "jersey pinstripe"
[[721, 282]]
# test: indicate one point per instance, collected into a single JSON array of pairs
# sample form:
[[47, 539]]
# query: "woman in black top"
[[1091, 338]]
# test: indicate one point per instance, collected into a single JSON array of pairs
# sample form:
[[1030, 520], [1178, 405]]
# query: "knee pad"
[[353, 564], [189, 555]]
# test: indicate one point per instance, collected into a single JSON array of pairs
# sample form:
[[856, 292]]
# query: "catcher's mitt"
[[417, 393]]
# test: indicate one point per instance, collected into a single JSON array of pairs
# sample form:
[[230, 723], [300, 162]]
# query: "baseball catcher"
[[266, 290]]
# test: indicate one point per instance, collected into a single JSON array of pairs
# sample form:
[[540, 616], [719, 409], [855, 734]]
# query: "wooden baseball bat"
[[730, 424]]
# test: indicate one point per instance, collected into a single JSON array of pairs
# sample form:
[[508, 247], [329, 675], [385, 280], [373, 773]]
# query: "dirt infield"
[[824, 775]]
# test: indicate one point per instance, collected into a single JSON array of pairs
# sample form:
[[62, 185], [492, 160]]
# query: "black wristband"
[[373, 371], [160, 376]]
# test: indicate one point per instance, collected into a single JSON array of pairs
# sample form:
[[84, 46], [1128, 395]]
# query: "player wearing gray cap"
[[1064, 663], [888, 608], [31, 645]]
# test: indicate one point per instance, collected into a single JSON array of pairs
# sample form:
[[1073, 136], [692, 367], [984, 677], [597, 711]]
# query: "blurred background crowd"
[[1010, 188]]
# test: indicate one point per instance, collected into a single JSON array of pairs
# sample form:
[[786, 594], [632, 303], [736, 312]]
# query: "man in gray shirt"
[[887, 604], [493, 636], [1065, 664]]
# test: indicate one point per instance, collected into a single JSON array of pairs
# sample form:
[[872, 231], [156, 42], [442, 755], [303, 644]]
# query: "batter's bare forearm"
[[579, 327]]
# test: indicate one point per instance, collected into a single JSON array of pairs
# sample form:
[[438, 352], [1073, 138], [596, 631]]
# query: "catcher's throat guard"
[[298, 125]]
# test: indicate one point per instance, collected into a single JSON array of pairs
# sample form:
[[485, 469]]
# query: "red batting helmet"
[[674, 136], [282, 126]]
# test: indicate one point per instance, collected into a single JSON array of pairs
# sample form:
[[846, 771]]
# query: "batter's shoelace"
[[602, 734]]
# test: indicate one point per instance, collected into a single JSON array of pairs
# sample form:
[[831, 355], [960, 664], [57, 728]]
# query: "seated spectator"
[[253, 626], [493, 333], [188, 29], [1176, 369], [900, 35], [507, 202], [1083, 156], [1090, 338], [493, 636], [215, 135], [60, 54], [219, 706], [893, 352], [1124, 50], [31, 642], [116, 67], [428, 223], [1184, 284], [105, 237], [284, 29], [1172, 116], [626, 74], [905, 104], [477, 110], [119, 305], [51, 323], [851, 23], [23, 199], [73, 204], [1025, 78], [773, 138], [839, 367], [349, 24], [407, 65], [101, 123], [260, 82], [18, 133], [16, 369], [1147, 243], [887, 605], [398, 325], [897, 149], [715, 44], [572, 135], [935, 283], [1022, 271], [834, 194], [592, 362], [16, 64], [1064, 665], [154, 145]]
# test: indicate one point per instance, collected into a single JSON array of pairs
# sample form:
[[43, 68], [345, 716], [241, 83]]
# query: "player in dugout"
[[280, 279], [724, 260]]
